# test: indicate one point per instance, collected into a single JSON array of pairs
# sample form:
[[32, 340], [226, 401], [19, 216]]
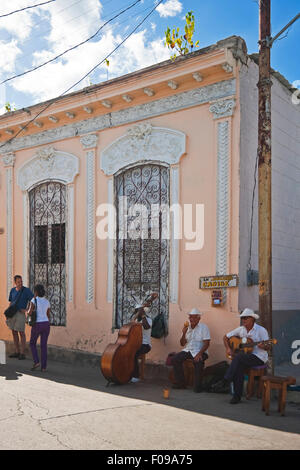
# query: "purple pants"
[[41, 329]]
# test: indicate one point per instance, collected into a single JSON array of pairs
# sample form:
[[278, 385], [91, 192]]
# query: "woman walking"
[[41, 327]]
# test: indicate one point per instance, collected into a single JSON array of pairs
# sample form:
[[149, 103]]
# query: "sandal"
[[35, 366]]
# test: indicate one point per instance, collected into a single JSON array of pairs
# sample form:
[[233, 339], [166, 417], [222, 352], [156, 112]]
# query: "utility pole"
[[265, 167], [265, 164]]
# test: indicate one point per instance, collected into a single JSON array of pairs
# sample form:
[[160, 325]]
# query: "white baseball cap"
[[248, 312], [195, 311]]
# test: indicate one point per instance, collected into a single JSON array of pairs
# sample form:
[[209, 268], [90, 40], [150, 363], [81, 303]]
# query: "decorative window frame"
[[146, 143], [49, 164]]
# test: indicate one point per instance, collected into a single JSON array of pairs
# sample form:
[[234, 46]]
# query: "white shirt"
[[42, 306], [195, 337], [258, 333], [147, 333]]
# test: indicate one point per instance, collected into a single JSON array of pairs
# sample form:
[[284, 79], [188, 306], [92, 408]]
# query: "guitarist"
[[241, 361]]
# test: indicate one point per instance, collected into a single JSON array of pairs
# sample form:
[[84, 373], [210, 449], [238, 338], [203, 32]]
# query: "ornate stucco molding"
[[48, 164], [9, 162], [159, 107], [89, 142], [222, 200], [143, 142], [222, 108], [148, 143], [9, 159]]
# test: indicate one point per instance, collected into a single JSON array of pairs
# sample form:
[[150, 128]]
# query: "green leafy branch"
[[183, 44]]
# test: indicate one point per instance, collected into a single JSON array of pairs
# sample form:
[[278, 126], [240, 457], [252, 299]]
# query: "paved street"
[[71, 408]]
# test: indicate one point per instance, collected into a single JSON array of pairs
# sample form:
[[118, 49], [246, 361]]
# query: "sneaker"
[[134, 380], [235, 400], [14, 355], [21, 357]]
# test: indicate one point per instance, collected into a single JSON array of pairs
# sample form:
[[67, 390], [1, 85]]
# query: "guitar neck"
[[247, 345]]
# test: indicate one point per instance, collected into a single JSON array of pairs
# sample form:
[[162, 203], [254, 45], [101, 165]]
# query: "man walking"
[[22, 295]]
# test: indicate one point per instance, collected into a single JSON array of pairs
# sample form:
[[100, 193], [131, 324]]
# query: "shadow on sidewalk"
[[151, 390]]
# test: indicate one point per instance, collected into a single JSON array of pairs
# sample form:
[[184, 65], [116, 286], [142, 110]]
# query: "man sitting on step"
[[195, 339]]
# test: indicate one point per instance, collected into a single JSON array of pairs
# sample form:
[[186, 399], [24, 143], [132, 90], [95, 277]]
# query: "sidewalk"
[[71, 408]]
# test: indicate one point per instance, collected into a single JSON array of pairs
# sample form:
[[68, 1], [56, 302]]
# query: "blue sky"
[[29, 38]]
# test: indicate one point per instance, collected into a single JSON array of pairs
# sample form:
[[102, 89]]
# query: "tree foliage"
[[183, 44]]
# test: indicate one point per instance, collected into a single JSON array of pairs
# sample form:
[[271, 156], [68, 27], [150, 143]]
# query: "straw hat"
[[195, 311], [248, 312]]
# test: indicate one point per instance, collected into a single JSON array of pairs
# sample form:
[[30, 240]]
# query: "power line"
[[71, 48], [32, 37], [26, 8], [51, 102]]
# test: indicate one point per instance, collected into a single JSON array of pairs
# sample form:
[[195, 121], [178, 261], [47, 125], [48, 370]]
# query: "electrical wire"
[[69, 21], [51, 102], [26, 8], [71, 48]]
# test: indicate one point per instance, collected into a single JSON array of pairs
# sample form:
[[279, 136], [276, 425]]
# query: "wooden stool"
[[189, 372], [278, 383], [142, 359], [257, 371]]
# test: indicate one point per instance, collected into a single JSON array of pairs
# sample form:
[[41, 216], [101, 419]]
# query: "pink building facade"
[[181, 135]]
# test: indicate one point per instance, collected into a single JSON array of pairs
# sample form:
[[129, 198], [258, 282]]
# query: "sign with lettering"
[[217, 282]]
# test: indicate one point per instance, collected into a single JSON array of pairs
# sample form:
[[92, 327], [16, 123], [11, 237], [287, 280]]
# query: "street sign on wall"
[[215, 282]]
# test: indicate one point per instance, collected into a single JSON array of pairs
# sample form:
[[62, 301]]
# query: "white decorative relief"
[[222, 199], [143, 142], [158, 107], [9, 161], [25, 238], [48, 164], [110, 245], [89, 143], [70, 251], [154, 143], [174, 243], [222, 108]]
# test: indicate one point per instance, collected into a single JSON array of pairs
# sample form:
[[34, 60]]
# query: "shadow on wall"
[[286, 329]]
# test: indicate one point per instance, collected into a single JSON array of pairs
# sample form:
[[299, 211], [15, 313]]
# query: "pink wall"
[[89, 325]]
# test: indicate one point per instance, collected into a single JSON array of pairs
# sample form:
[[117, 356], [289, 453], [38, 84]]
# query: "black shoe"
[[21, 357], [14, 355], [178, 386], [222, 386], [234, 400]]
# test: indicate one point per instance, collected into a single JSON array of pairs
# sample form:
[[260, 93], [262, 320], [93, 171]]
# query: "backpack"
[[159, 327]]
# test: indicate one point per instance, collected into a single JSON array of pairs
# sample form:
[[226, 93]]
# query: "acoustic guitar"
[[245, 345]]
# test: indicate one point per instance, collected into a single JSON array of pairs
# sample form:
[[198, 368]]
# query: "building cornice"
[[175, 102]]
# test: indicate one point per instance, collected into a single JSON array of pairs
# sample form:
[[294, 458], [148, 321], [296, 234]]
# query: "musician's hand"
[[229, 352], [261, 346], [198, 357], [184, 329]]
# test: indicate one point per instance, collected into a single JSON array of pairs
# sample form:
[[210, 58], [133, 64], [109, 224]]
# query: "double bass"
[[117, 362]]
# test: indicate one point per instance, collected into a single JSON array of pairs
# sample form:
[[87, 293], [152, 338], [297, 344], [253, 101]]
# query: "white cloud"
[[170, 8], [64, 27]]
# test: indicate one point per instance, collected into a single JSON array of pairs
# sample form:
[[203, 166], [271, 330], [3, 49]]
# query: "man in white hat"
[[195, 339], [241, 361]]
